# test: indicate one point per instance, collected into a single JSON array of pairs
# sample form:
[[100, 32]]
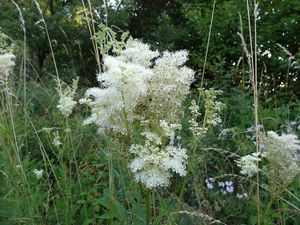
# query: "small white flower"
[[241, 196], [248, 164], [38, 173], [194, 125], [212, 107], [169, 130], [56, 141]]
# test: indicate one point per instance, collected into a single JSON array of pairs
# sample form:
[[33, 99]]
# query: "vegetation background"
[[84, 186]]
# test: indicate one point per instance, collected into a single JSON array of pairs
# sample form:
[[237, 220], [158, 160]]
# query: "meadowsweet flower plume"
[[153, 163], [134, 90], [169, 86], [212, 106], [124, 83], [7, 59], [211, 115], [145, 89], [194, 125], [56, 140], [66, 98], [280, 151], [248, 164]]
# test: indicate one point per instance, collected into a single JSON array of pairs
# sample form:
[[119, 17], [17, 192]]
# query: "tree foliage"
[[169, 25]]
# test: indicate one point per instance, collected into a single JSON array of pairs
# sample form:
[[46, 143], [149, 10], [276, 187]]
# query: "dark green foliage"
[[176, 24]]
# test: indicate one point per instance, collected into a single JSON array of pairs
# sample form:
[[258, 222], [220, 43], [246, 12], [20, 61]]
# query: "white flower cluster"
[[248, 164], [7, 59], [136, 87], [138, 53], [66, 102], [113, 106], [142, 89], [212, 107], [194, 125], [153, 163], [169, 86], [212, 110], [7, 62], [169, 130], [281, 151], [290, 141]]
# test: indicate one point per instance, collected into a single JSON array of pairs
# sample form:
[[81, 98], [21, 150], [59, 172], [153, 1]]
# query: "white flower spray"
[[248, 164], [66, 102], [153, 163], [7, 62], [142, 91], [279, 151], [212, 112], [283, 167], [56, 140], [7, 59]]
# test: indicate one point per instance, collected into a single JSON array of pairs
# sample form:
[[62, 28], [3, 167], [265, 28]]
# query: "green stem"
[[71, 145], [194, 145], [180, 203], [111, 187], [148, 207], [264, 214]]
